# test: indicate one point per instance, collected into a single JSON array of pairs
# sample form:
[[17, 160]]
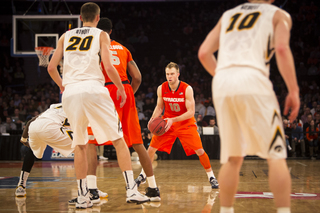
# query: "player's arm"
[[209, 46], [160, 104], [54, 62], [135, 74], [282, 25], [109, 68], [25, 133]]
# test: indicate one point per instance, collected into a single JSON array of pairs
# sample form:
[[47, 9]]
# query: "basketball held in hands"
[[157, 126]]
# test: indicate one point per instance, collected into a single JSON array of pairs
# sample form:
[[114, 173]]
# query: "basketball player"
[[176, 98], [85, 99], [50, 128], [122, 60], [247, 36]]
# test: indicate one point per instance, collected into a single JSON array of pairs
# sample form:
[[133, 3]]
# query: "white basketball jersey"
[[81, 55], [246, 37], [56, 114]]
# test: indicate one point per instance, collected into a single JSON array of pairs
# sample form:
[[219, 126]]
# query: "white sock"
[[92, 181], [226, 209], [128, 177], [152, 182], [283, 210], [210, 174], [23, 178], [82, 186]]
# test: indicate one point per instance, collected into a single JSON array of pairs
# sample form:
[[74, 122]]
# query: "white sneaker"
[[20, 191], [102, 158], [102, 194], [84, 202], [133, 196]]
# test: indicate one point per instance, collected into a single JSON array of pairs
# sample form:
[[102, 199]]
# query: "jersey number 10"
[[246, 23]]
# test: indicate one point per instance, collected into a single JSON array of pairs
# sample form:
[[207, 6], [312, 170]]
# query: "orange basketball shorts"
[[128, 116], [187, 134]]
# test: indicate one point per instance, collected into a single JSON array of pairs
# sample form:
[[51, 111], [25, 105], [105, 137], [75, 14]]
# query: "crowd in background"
[[157, 33]]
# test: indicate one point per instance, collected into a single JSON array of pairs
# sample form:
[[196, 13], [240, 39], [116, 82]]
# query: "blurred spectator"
[[140, 115], [314, 108], [312, 137], [212, 123], [139, 102], [148, 108], [143, 38], [297, 139], [307, 123], [198, 104], [43, 107], [10, 125], [305, 115], [317, 120], [287, 133], [16, 100], [207, 109], [150, 93], [16, 119]]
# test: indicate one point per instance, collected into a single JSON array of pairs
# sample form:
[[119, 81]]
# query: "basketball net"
[[43, 55]]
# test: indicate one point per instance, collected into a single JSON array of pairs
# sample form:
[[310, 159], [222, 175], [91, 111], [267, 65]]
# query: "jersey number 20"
[[85, 43]]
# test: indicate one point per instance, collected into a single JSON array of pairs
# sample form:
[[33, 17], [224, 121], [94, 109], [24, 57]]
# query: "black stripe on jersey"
[[177, 87]]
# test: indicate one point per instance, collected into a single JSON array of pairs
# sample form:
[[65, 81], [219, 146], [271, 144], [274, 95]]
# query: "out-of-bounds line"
[[301, 163]]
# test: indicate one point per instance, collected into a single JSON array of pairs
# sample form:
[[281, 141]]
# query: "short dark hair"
[[105, 24], [89, 11]]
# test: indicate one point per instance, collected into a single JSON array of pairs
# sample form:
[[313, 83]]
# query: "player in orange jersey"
[[176, 98], [122, 61]]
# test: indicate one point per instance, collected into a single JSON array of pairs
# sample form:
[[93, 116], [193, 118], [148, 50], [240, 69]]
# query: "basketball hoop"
[[43, 55]]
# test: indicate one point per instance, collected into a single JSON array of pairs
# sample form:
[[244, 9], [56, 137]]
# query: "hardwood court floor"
[[183, 185]]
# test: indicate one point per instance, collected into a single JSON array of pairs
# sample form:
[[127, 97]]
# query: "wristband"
[[23, 139]]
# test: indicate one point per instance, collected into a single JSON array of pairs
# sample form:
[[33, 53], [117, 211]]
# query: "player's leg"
[[27, 165], [228, 180], [124, 161], [191, 142], [79, 121], [280, 183], [91, 174], [205, 162]]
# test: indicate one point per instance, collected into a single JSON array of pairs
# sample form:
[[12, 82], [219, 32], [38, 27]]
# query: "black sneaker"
[[153, 194], [214, 183], [140, 180], [94, 197]]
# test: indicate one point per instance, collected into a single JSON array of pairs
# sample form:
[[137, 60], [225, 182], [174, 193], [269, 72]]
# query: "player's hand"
[[169, 123], [292, 103], [121, 94], [62, 89]]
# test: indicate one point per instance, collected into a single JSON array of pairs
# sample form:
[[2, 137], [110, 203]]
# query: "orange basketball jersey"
[[120, 58], [174, 101]]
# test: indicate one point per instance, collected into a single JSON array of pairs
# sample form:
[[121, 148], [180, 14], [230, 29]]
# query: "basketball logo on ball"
[[157, 126]]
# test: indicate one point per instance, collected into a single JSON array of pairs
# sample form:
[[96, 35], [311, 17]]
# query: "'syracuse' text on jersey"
[[120, 58], [81, 55], [56, 114], [174, 101], [246, 37]]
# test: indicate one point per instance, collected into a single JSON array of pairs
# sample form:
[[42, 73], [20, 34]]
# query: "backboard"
[[30, 31]]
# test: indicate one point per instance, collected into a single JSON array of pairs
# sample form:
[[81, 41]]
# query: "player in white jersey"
[[245, 102], [49, 128], [85, 99]]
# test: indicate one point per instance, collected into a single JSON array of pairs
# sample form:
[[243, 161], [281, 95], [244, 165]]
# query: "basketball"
[[156, 127]]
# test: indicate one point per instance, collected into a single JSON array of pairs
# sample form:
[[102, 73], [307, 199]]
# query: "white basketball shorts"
[[248, 114], [43, 132], [90, 102]]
